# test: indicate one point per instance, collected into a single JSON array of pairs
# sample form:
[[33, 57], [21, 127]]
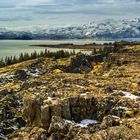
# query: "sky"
[[65, 12]]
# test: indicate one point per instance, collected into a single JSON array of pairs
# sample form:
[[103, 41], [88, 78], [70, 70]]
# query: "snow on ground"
[[124, 108], [50, 98], [130, 96], [83, 94], [6, 76], [126, 94], [83, 123], [86, 122], [116, 117], [34, 73]]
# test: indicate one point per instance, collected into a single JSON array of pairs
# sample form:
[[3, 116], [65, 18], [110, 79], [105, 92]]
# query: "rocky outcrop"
[[21, 75], [29, 133], [76, 108], [62, 117], [32, 110], [79, 64]]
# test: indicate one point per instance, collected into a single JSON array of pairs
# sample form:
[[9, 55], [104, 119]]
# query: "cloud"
[[50, 11], [17, 18]]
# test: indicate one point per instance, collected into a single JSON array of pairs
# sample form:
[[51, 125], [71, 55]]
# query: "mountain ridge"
[[108, 29]]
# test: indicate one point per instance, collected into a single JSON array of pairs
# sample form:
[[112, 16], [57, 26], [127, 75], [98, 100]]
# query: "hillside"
[[78, 97]]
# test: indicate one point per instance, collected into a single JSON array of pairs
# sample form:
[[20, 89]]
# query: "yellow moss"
[[130, 113], [9, 85], [134, 48], [13, 86], [98, 69], [33, 80], [56, 71]]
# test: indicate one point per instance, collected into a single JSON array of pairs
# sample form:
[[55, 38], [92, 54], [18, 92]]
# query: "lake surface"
[[15, 47]]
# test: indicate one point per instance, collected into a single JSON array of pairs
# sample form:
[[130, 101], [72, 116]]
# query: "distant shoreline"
[[75, 46]]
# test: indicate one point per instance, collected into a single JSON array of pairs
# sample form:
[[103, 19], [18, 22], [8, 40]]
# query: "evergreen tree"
[[2, 63], [21, 57], [94, 51]]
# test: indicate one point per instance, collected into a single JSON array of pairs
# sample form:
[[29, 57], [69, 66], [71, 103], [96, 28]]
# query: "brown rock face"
[[76, 108], [56, 110], [32, 110], [66, 112], [82, 108], [45, 116], [61, 118], [58, 125]]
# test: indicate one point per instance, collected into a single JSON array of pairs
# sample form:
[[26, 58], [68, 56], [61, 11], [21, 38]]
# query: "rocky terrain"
[[107, 29], [81, 97]]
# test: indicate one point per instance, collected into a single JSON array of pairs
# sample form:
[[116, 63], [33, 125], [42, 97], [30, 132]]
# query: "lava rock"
[[21, 75]]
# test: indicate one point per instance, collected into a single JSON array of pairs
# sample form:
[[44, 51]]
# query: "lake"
[[15, 47]]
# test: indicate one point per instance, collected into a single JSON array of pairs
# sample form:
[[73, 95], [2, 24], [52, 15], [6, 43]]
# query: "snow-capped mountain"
[[109, 29]]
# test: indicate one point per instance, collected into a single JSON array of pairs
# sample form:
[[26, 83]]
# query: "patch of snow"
[[116, 117], [6, 76], [34, 73], [83, 123], [50, 98], [3, 75], [130, 96], [86, 122], [9, 76], [88, 33], [84, 94], [124, 108], [71, 122]]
